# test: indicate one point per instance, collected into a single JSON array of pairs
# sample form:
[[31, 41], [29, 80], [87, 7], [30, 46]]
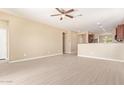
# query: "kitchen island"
[[105, 51]]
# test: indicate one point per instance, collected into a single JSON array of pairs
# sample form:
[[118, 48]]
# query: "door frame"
[[63, 42], [7, 41]]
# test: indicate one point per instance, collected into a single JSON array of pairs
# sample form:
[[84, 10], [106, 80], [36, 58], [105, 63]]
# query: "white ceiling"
[[93, 19]]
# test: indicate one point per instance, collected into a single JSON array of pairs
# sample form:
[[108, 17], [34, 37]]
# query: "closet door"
[[3, 43]]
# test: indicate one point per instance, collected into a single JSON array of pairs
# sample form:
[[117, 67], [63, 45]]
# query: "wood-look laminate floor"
[[63, 70]]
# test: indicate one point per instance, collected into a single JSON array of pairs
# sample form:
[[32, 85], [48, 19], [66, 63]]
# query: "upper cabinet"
[[90, 38], [120, 33]]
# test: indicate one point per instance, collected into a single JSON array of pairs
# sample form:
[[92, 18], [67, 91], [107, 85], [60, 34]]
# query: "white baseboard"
[[3, 61], [33, 58], [101, 58]]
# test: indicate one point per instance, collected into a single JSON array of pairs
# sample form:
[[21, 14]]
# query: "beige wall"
[[28, 39], [74, 42], [113, 51], [68, 42]]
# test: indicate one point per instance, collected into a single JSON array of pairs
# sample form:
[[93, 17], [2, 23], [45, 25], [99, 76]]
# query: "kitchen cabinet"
[[119, 33]]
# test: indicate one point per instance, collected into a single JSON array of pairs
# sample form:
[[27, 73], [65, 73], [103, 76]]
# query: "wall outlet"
[[48, 52], [91, 53], [25, 55]]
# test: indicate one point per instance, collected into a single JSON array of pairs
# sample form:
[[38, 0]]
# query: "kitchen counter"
[[106, 51]]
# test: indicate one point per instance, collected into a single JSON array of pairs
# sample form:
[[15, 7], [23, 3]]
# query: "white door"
[[3, 43]]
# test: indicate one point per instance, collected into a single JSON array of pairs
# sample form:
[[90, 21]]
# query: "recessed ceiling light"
[[98, 23]]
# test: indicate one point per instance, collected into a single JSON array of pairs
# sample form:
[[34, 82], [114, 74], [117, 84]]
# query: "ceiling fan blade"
[[69, 16], [59, 10], [69, 11], [56, 15], [62, 10]]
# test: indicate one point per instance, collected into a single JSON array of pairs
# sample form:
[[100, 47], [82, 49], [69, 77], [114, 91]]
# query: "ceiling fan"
[[64, 13]]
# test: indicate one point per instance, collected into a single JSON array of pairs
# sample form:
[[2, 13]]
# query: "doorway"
[[3, 43], [64, 43]]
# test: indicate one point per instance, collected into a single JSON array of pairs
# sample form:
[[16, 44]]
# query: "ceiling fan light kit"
[[64, 13]]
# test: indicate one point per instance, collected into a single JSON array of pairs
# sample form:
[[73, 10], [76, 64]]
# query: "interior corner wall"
[[29, 39], [71, 42]]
